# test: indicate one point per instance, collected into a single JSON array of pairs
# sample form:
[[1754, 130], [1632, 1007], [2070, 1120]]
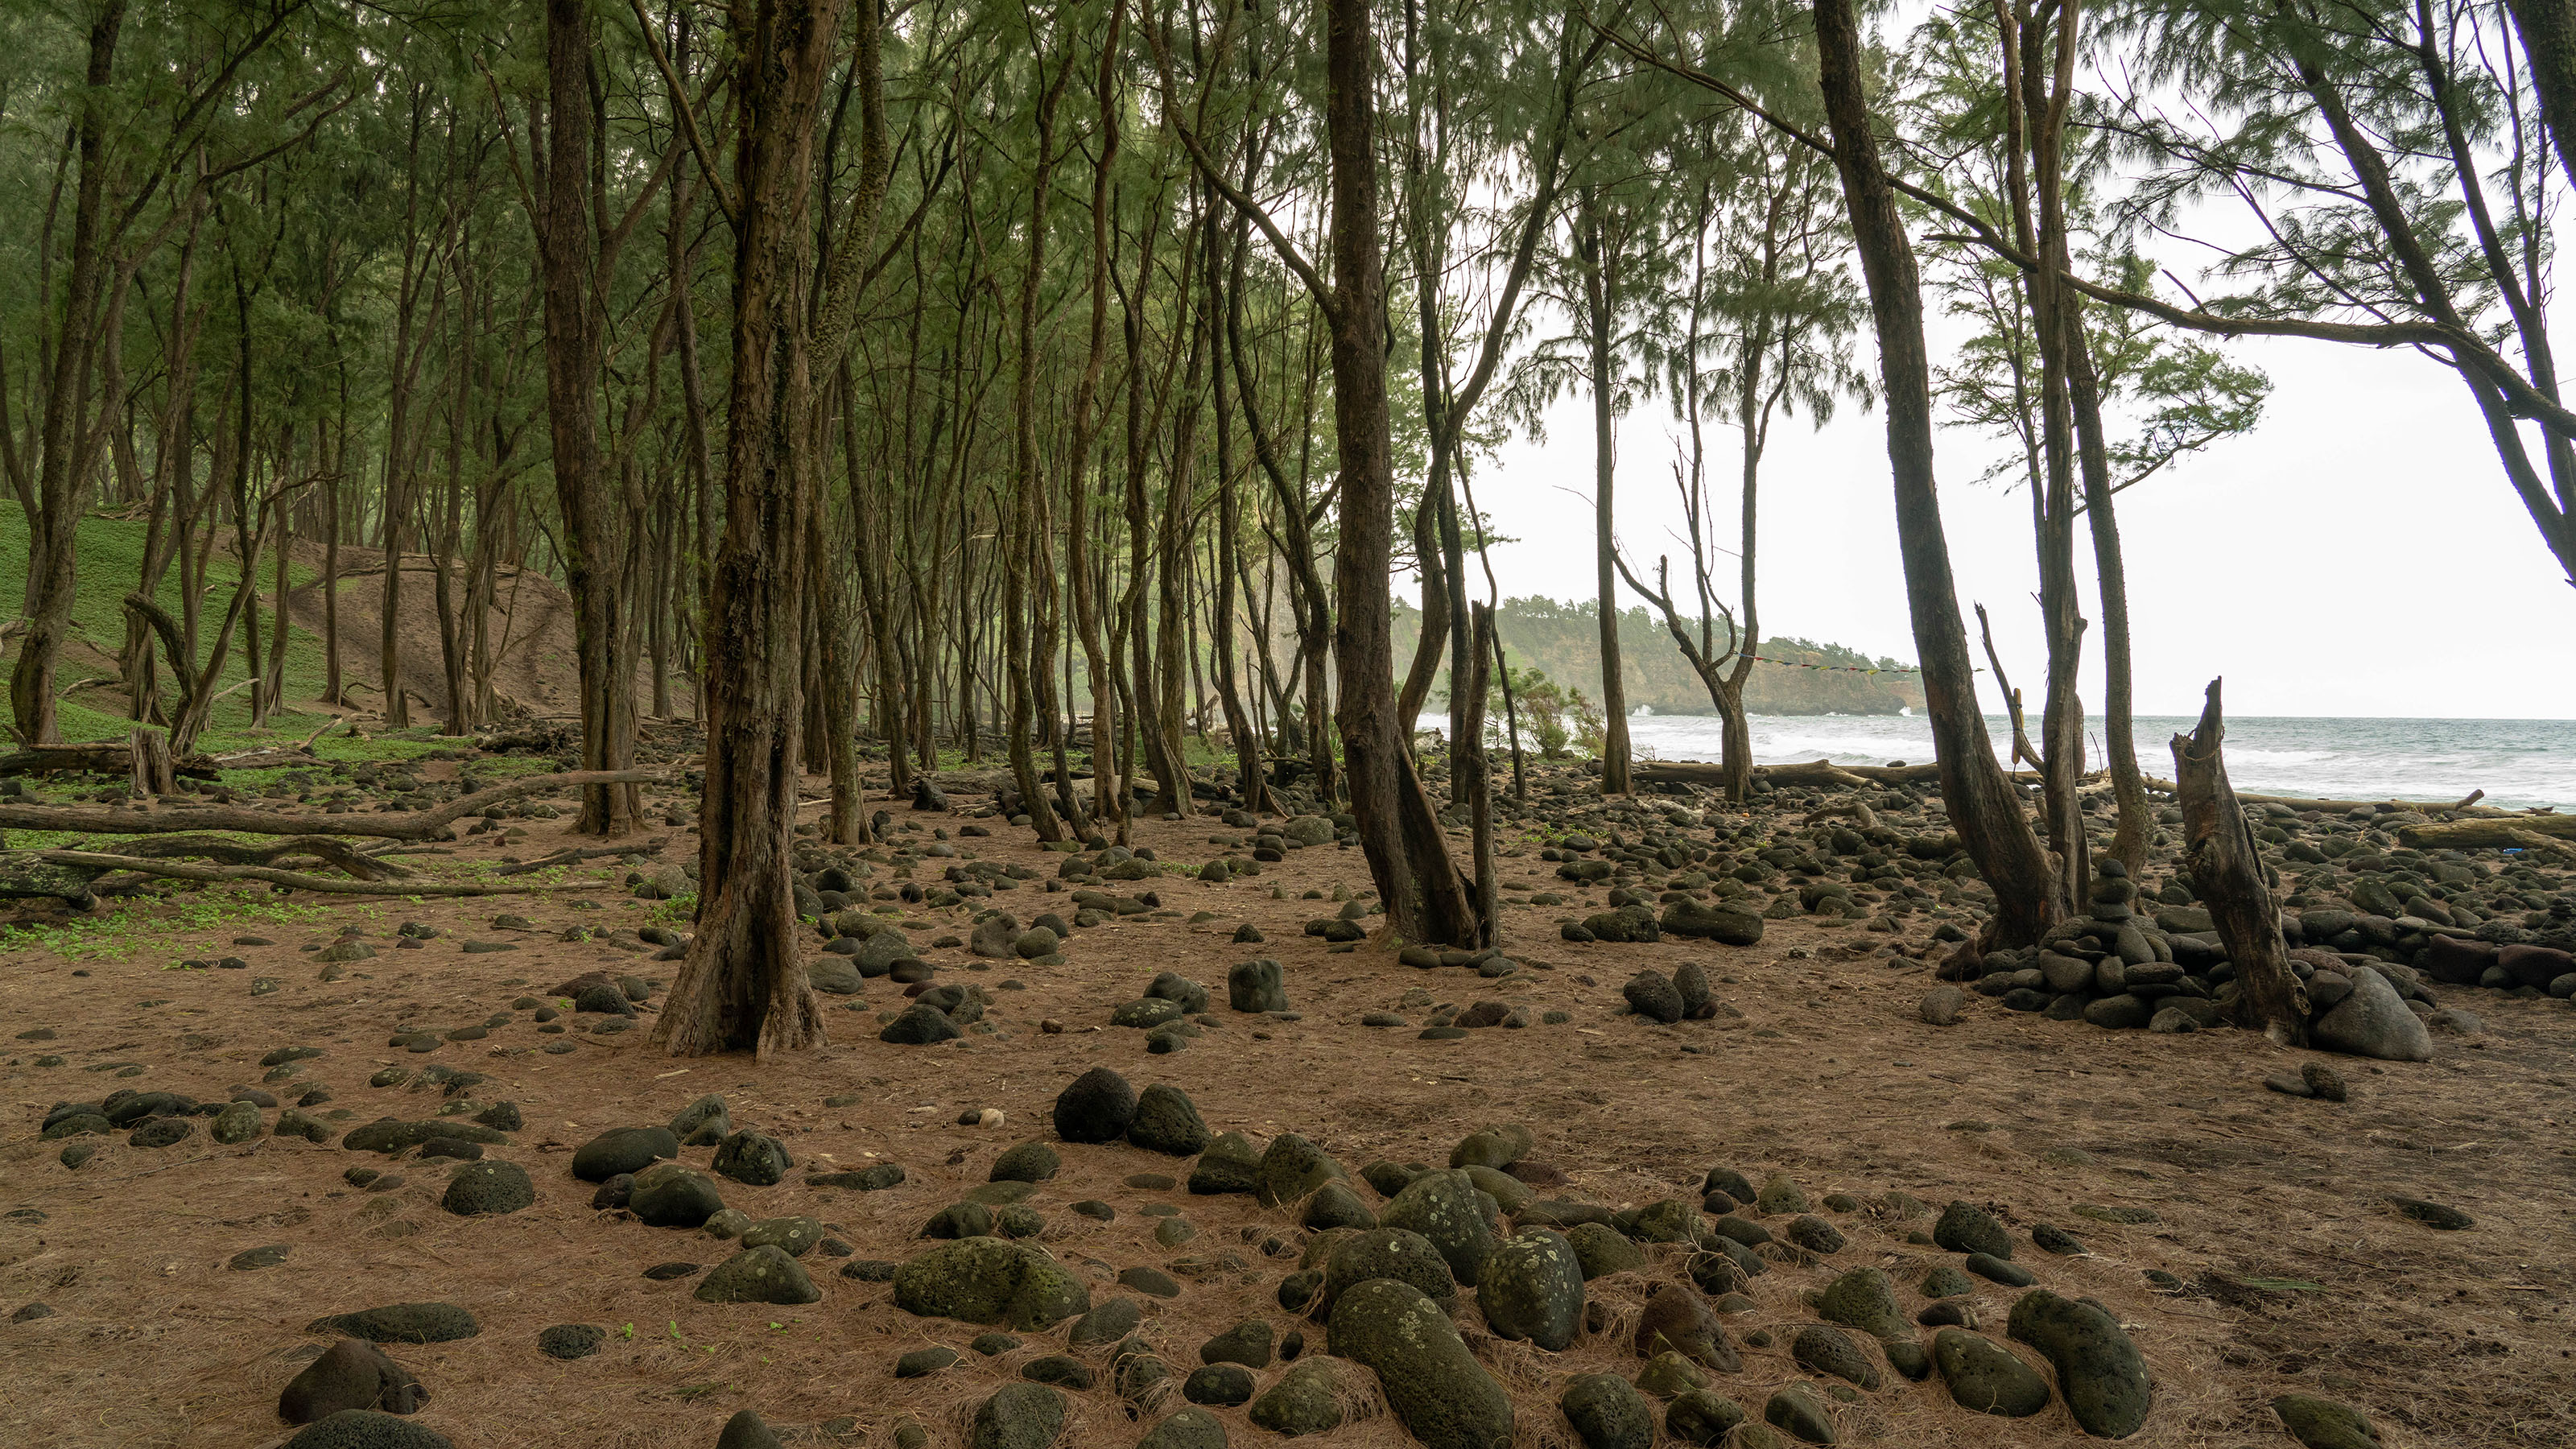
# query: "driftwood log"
[[2469, 806], [1808, 772], [2488, 833], [2226, 870], [1804, 772], [402, 825]]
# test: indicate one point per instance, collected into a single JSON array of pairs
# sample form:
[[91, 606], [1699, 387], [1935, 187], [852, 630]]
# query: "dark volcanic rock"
[[623, 1149], [2098, 1369], [1099, 1106], [349, 1375], [401, 1323]]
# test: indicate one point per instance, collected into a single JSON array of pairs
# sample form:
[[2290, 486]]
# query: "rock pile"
[[2120, 971]]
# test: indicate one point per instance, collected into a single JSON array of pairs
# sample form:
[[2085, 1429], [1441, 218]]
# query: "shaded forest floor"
[[2158, 1152]]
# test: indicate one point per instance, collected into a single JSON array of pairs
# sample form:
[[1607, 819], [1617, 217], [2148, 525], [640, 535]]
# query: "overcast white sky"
[[2359, 554]]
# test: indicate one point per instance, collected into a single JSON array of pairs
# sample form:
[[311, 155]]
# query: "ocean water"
[[2517, 762]]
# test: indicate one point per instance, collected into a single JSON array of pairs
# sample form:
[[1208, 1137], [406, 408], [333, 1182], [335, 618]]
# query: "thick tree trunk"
[[1407, 853], [1980, 801], [744, 983], [2227, 873]]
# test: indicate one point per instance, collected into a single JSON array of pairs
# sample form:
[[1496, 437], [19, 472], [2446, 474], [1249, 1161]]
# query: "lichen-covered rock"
[[1531, 1287], [1306, 1400], [1018, 1416], [990, 1281], [1098, 1107], [1607, 1412], [1447, 1209], [1167, 1121], [759, 1275], [1396, 1253], [1438, 1391]]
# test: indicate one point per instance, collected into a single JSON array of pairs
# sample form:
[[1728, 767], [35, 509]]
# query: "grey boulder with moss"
[[1190, 1428], [1449, 1210], [1306, 1400], [1862, 1299], [2099, 1370], [1438, 1391], [1390, 1253], [1608, 1412], [990, 1281], [1532, 1288], [1986, 1376], [1018, 1416], [759, 1275]]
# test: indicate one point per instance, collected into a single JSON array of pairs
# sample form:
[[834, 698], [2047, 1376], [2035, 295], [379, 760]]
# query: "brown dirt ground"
[[1829, 1075]]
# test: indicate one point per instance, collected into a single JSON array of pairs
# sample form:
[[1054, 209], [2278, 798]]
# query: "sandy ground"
[[1828, 1074]]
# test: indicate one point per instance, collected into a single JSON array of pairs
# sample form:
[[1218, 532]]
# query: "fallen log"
[[274, 757], [227, 851], [103, 863], [2470, 806], [1803, 772], [2488, 833], [405, 825], [577, 854]]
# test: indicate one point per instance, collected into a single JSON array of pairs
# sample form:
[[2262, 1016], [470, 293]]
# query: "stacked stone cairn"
[[2120, 971]]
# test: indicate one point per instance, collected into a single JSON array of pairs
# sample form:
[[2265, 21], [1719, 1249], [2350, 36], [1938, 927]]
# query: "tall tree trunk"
[[1408, 855], [2128, 782], [67, 441], [1253, 787], [568, 256], [1108, 801], [331, 493], [1599, 298], [1021, 658], [1980, 800], [2043, 93], [744, 983]]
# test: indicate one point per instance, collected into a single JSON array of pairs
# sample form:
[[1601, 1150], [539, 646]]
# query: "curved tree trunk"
[[1980, 800], [1408, 854]]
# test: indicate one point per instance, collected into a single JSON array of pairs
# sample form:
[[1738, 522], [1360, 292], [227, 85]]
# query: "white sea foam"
[[2517, 762]]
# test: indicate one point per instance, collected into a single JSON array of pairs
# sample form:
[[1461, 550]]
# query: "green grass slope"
[[110, 563]]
